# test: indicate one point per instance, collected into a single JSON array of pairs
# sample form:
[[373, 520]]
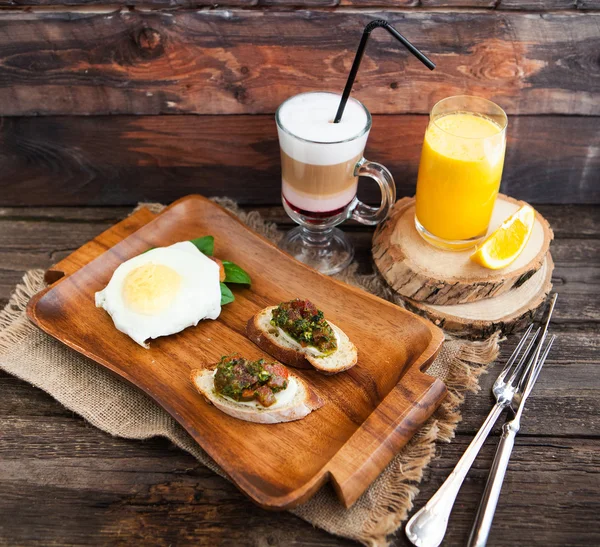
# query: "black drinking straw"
[[360, 52]]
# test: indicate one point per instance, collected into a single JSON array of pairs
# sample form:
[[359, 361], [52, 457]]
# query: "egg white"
[[198, 296]]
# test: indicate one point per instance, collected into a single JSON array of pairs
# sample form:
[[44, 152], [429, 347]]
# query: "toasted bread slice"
[[305, 400], [288, 351]]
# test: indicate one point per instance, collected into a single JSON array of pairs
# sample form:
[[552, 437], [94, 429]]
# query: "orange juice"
[[459, 176]]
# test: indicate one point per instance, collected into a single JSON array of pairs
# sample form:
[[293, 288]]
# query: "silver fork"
[[487, 508], [427, 526], [489, 500]]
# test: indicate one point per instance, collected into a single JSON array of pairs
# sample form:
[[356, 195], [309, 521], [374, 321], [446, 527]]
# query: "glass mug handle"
[[365, 214]]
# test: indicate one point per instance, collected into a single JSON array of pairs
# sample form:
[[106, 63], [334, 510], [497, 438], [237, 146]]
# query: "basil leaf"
[[226, 295], [235, 274], [205, 245]]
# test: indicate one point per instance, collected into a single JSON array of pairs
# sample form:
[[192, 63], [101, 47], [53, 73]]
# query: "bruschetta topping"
[[243, 380], [302, 321]]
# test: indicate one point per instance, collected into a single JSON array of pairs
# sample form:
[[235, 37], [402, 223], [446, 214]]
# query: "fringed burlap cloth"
[[121, 410]]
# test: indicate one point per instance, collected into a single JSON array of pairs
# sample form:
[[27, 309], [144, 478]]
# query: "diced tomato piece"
[[248, 395], [221, 268], [277, 369], [265, 396]]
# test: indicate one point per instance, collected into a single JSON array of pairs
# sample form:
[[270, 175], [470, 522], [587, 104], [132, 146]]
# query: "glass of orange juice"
[[460, 171]]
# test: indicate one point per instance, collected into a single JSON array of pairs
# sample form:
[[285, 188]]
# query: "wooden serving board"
[[370, 411], [419, 271], [509, 312]]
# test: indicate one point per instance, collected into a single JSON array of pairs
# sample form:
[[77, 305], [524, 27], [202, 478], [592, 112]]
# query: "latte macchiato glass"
[[320, 165]]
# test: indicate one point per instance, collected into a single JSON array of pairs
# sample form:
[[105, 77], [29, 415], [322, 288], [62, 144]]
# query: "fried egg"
[[162, 291]]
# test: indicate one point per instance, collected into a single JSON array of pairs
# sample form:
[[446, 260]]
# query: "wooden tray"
[[370, 411]]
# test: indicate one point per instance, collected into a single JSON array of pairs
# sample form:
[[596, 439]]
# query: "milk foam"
[[309, 116]]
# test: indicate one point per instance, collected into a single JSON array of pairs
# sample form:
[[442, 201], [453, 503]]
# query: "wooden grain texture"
[[538, 5], [389, 4], [569, 379], [237, 61], [116, 4], [573, 222], [457, 3], [419, 271], [127, 4], [521, 5], [38, 238], [380, 403], [91, 249], [65, 482], [117, 160], [510, 312], [532, 5], [308, 4]]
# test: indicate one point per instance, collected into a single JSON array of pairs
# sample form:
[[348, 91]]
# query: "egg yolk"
[[150, 288]]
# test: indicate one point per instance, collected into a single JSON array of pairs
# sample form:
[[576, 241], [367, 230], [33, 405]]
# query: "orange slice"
[[503, 246]]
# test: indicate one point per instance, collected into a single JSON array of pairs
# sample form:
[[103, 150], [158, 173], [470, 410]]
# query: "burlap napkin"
[[121, 410]]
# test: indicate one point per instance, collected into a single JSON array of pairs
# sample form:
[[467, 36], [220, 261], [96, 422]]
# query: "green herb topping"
[[245, 380], [301, 320]]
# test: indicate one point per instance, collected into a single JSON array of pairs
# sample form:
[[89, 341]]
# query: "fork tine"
[[515, 354], [524, 358], [530, 368], [539, 365], [546, 325], [536, 356]]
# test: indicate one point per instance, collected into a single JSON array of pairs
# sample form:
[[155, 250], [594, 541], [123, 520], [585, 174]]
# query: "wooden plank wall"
[[152, 99]]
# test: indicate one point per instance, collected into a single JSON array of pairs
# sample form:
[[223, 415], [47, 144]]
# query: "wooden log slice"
[[509, 312], [417, 270]]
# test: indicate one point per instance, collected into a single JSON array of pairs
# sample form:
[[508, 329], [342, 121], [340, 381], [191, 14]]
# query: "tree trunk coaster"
[[417, 270], [508, 312]]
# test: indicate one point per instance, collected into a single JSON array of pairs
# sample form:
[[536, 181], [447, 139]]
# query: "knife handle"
[[487, 506]]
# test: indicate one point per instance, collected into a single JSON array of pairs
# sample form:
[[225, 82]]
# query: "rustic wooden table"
[[64, 482]]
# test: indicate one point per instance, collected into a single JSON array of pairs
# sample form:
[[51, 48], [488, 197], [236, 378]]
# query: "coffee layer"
[[318, 188], [319, 180]]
